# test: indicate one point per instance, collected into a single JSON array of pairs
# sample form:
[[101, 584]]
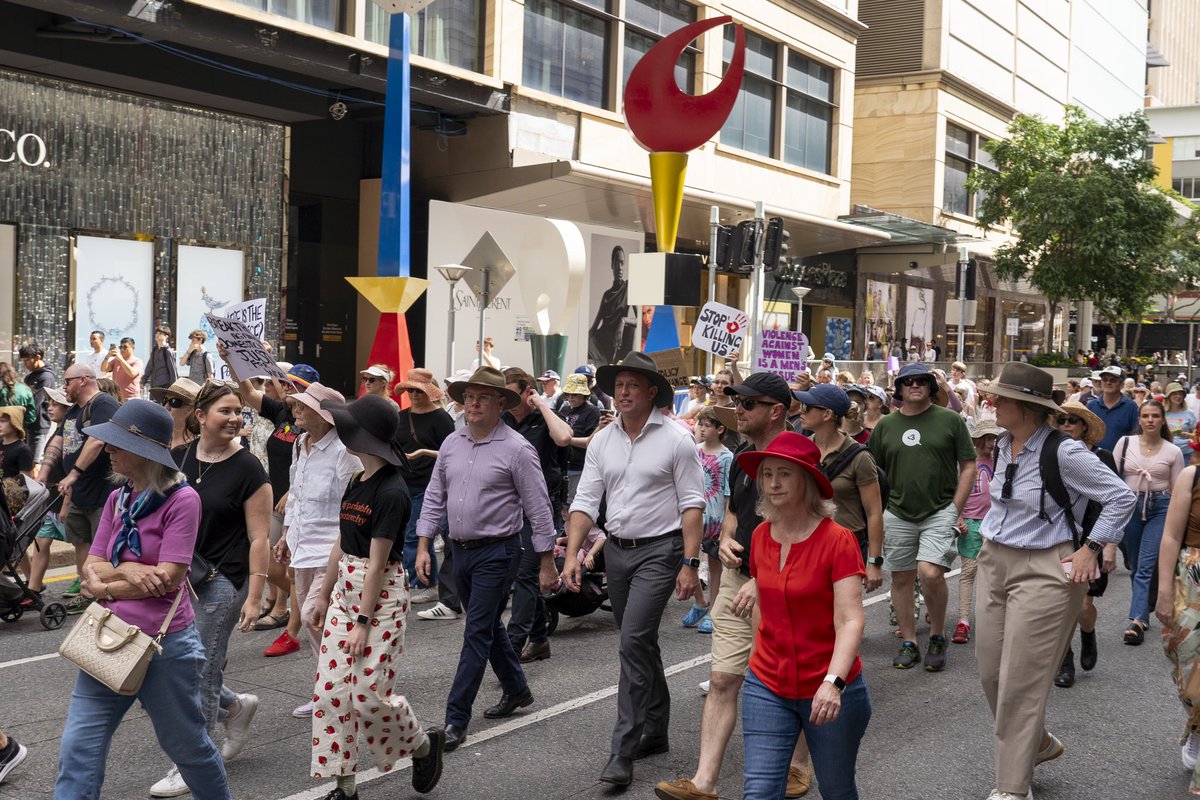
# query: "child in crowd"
[[974, 510], [715, 457]]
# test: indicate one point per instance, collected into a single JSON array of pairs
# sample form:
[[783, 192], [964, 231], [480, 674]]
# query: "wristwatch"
[[875, 561], [1095, 547], [363, 619], [694, 563], [838, 682]]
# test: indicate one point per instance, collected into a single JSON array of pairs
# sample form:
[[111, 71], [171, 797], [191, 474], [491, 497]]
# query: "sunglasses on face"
[[911, 381], [370, 379], [751, 404], [1064, 420], [1010, 472], [814, 408], [173, 402]]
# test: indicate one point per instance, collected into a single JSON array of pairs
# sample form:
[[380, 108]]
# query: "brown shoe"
[[535, 651], [799, 781], [681, 789]]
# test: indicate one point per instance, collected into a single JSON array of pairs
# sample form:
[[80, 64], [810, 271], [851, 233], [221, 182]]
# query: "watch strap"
[[363, 619], [1094, 546], [838, 681]]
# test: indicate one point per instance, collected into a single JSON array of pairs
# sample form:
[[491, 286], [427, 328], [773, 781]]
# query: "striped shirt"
[[1016, 521]]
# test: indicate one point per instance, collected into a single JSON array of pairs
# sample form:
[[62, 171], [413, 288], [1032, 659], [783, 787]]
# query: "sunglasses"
[[173, 402], [1065, 420], [1010, 472], [370, 379], [814, 408], [750, 404], [911, 381]]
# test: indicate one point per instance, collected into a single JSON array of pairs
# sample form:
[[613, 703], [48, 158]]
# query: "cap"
[[586, 369], [1114, 371], [549, 375], [374, 371], [826, 395], [303, 375], [1086, 382], [764, 384]]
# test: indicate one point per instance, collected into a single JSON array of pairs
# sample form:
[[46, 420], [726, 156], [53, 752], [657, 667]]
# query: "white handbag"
[[111, 650]]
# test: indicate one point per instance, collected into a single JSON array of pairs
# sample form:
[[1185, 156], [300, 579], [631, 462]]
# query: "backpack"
[[846, 458], [1052, 484]]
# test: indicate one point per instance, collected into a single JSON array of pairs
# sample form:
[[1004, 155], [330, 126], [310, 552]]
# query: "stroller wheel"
[[12, 614], [53, 616], [551, 621]]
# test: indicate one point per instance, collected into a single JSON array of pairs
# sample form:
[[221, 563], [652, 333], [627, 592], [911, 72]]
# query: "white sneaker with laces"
[[421, 596], [304, 711], [1191, 750], [705, 686], [237, 726], [170, 786], [440, 611]]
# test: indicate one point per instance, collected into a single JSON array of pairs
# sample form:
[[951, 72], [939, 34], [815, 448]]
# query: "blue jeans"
[[771, 725], [217, 611], [410, 544], [1142, 538], [171, 696]]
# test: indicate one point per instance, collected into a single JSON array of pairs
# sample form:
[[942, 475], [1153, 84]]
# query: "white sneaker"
[[16, 757], [1010, 796], [1191, 750], [301, 712], [421, 596], [440, 611], [237, 726], [705, 686], [170, 786]]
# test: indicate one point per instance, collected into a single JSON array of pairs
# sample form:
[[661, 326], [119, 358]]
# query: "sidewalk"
[[61, 554]]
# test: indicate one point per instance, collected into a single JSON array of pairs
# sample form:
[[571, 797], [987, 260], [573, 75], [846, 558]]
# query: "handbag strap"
[[171, 614]]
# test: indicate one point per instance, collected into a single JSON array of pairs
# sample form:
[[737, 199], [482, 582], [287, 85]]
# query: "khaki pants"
[[1025, 610]]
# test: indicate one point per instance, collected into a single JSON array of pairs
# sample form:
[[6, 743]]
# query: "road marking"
[[29, 660]]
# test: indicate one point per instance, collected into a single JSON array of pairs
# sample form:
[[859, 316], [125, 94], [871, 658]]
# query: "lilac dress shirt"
[[486, 488]]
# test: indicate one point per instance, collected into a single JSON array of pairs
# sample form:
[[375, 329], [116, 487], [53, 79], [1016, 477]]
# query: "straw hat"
[[986, 427], [183, 388], [1095, 425], [422, 380]]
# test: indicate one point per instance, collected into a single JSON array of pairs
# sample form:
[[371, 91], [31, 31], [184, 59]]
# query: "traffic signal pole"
[[714, 225], [756, 286]]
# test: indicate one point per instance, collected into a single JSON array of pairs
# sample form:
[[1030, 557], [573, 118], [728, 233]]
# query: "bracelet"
[[258, 574], [107, 594], [79, 469]]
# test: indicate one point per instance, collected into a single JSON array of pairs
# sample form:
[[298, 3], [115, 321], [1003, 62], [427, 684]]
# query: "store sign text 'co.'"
[[26, 148]]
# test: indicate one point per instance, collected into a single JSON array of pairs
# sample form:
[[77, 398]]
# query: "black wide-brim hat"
[[366, 425], [139, 427], [606, 377]]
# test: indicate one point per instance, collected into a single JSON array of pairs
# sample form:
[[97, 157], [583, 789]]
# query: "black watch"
[[875, 561], [1095, 547], [363, 619], [694, 563]]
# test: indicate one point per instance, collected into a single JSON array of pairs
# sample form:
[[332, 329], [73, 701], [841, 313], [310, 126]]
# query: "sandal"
[[272, 621], [1135, 634]]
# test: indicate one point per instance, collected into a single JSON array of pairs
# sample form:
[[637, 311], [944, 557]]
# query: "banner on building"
[[720, 329], [783, 353]]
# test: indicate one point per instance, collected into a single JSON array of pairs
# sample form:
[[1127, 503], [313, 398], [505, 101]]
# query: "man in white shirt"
[[97, 357], [649, 473], [549, 381], [958, 377]]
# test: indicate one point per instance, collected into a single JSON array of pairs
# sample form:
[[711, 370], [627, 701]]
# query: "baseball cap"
[[826, 395], [1114, 371], [763, 384], [854, 388], [303, 375], [549, 375], [1086, 382], [586, 369]]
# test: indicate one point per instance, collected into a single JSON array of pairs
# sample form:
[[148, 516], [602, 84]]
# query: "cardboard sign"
[[782, 352], [247, 356], [252, 314], [673, 366], [720, 329]]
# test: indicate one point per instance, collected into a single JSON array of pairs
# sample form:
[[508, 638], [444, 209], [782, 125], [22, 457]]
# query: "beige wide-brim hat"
[[315, 394], [1027, 383], [1095, 426], [986, 427], [183, 388], [487, 378]]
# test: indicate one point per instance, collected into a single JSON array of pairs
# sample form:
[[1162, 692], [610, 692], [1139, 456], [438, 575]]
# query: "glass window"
[[808, 118], [955, 197], [322, 13], [751, 124], [636, 45], [448, 31], [659, 16], [647, 21], [964, 153], [566, 51], [1185, 148]]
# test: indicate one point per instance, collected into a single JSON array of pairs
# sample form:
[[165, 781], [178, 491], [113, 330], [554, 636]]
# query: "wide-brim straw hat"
[[422, 380], [1027, 383], [727, 415], [183, 388], [139, 427], [317, 393], [986, 427], [642, 364], [793, 447], [16, 415], [367, 425], [487, 378], [1095, 426]]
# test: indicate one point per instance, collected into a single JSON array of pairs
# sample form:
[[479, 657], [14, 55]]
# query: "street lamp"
[[453, 273], [801, 292]]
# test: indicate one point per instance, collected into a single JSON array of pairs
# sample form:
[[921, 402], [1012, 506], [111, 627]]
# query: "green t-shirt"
[[921, 455]]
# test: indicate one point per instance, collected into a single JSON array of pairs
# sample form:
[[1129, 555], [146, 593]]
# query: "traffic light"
[[775, 248], [735, 247], [972, 270]]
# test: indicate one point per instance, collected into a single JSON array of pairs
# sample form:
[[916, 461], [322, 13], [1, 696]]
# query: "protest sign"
[[720, 329], [672, 365], [252, 314], [782, 352], [246, 354]]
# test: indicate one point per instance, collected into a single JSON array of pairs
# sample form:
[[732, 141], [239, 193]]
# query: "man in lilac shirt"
[[486, 481]]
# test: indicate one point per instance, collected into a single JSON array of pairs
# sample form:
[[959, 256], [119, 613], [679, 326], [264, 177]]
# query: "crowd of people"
[[768, 505]]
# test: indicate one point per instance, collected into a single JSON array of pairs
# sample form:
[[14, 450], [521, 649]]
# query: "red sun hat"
[[793, 447]]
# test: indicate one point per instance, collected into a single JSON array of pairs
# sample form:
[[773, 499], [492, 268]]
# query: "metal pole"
[[756, 284], [713, 227], [483, 304], [962, 302], [450, 342]]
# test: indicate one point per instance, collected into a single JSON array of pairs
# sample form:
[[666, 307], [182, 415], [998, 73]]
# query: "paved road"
[[929, 737]]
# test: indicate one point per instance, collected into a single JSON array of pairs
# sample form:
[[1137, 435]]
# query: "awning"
[[586, 194]]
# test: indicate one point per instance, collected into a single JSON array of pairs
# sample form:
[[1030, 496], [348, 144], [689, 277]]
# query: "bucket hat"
[[1172, 388], [317, 393], [577, 384], [139, 427], [915, 369], [16, 415], [421, 379], [642, 364], [986, 427], [1095, 425], [183, 388], [1025, 382], [367, 425], [793, 447], [488, 378]]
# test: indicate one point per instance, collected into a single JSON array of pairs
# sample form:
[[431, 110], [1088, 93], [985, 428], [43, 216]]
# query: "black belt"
[[471, 544], [645, 540]]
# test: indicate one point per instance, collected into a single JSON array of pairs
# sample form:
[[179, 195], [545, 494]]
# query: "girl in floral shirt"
[[715, 457]]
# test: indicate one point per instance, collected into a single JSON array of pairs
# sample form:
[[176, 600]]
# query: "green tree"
[[1090, 224]]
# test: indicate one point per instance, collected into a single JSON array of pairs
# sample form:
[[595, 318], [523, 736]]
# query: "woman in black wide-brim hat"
[[363, 606]]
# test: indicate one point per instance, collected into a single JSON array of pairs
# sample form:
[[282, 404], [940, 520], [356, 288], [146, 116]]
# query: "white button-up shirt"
[[650, 481], [319, 479]]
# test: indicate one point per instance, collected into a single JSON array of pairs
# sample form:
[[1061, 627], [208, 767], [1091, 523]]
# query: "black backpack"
[[846, 458], [1052, 484]]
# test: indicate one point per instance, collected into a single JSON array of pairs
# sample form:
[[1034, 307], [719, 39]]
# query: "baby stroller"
[[16, 534], [592, 594]]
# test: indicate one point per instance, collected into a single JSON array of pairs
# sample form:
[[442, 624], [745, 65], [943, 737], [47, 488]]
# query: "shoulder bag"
[[111, 650]]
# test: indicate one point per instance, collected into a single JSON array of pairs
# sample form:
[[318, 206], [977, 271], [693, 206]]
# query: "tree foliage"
[[1089, 223]]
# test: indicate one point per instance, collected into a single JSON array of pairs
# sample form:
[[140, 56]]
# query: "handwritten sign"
[[783, 353], [672, 365], [247, 356], [252, 314], [720, 329]]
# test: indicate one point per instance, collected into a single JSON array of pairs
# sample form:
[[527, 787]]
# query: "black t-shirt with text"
[[424, 431], [15, 458], [92, 487], [280, 445], [377, 508], [224, 487]]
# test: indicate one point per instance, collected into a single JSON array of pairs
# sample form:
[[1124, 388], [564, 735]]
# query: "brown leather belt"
[[472, 544]]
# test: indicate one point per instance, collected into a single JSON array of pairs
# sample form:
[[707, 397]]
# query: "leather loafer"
[[618, 771], [651, 746], [454, 737], [535, 652], [509, 703]]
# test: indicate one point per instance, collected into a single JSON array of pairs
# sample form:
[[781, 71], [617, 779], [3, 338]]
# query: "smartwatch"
[[838, 682], [875, 561], [1095, 547], [694, 563], [363, 619]]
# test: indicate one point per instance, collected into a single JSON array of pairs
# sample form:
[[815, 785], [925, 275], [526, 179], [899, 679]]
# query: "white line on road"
[[18, 662]]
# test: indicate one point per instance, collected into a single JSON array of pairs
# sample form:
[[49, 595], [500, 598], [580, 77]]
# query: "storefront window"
[[566, 51], [448, 31], [1031, 323], [977, 338], [322, 13]]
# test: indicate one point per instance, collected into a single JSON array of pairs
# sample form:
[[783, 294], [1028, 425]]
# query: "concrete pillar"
[[1083, 325]]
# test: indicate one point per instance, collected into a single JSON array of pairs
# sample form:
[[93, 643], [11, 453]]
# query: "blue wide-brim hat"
[[139, 427]]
